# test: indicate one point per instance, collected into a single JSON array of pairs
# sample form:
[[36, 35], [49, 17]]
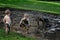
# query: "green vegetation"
[[47, 0], [51, 7], [13, 36]]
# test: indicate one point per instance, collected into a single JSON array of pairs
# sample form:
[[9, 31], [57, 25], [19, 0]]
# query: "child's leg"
[[27, 29], [7, 28]]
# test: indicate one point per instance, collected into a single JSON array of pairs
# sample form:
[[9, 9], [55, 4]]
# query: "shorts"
[[24, 25], [8, 26]]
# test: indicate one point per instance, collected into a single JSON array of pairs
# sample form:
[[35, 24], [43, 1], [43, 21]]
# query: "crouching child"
[[25, 23]]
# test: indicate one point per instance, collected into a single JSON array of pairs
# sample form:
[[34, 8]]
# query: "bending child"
[[25, 21]]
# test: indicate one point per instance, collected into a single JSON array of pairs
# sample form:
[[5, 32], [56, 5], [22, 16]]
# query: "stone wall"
[[17, 14]]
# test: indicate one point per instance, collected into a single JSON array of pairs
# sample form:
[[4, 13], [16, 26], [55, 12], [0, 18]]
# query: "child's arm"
[[21, 21], [28, 21]]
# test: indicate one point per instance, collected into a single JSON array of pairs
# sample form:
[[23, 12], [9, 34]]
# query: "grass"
[[43, 6], [13, 36]]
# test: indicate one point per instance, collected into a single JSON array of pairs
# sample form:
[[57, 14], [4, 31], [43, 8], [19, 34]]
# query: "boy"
[[25, 22], [7, 20]]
